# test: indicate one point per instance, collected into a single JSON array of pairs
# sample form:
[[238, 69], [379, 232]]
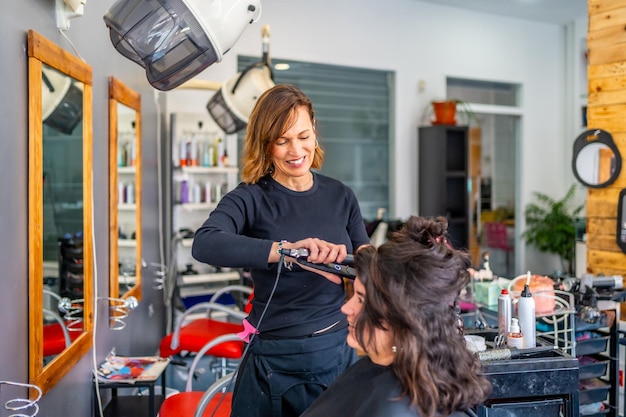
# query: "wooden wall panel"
[[606, 72], [600, 6]]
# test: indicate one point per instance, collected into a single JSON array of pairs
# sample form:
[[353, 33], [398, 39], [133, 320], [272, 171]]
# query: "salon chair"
[[197, 335], [56, 334], [214, 402]]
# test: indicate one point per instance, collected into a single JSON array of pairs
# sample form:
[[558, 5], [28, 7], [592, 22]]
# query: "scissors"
[[499, 340]]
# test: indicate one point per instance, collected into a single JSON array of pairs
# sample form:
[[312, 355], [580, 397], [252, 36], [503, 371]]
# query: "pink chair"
[[497, 238]]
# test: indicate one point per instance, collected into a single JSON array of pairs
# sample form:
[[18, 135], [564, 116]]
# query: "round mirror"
[[596, 161]]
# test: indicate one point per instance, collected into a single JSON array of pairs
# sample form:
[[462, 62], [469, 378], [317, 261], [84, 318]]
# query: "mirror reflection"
[[62, 205], [125, 191], [596, 161], [60, 264]]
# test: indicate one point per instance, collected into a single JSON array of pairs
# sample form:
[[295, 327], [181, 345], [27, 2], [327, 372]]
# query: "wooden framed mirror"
[[60, 210], [124, 192]]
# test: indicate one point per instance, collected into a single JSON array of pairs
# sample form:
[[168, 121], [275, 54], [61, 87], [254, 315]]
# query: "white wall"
[[423, 41]]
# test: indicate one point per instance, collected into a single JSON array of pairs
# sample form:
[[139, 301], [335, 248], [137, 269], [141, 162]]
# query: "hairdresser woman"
[[417, 363], [301, 344]]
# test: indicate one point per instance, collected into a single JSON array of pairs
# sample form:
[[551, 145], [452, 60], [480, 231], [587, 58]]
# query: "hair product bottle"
[[526, 315], [184, 191], [504, 312], [515, 337]]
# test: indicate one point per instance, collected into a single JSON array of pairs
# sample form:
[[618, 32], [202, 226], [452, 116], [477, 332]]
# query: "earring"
[[394, 349], [317, 144]]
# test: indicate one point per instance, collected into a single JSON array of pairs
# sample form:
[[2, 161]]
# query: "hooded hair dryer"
[[174, 40]]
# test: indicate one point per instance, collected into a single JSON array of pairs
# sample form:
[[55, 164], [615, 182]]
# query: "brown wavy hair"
[[411, 284], [273, 114]]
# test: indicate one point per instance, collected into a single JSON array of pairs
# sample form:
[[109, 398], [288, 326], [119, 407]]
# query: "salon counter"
[[542, 385]]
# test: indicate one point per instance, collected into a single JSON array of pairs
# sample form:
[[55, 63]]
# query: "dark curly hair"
[[411, 282]]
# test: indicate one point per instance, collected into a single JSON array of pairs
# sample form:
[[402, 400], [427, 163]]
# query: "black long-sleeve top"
[[239, 233]]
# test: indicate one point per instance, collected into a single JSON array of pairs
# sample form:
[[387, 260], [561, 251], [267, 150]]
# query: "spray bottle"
[[504, 312], [526, 315]]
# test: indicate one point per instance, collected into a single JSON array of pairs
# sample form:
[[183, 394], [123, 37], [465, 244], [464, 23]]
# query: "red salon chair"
[[214, 402], [57, 335], [497, 238], [193, 335]]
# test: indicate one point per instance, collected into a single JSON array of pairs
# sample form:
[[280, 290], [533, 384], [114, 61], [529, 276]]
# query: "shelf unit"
[[443, 178], [196, 187], [127, 218]]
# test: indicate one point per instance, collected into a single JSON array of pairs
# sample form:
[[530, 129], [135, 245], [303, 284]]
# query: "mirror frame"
[[593, 136], [42, 51], [119, 93]]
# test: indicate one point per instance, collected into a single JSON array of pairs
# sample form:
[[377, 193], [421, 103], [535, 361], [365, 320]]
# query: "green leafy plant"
[[551, 226]]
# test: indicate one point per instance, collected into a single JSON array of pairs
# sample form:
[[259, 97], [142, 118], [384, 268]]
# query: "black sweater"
[[239, 233]]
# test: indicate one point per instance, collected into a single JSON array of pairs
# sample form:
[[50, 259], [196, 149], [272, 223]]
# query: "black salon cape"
[[364, 390]]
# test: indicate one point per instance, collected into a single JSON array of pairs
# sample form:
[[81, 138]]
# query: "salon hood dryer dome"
[[61, 101], [174, 40], [233, 103]]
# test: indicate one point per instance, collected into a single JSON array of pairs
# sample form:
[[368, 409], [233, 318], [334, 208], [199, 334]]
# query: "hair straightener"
[[343, 269]]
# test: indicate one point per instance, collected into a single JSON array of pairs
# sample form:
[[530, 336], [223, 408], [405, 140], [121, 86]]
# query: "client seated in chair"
[[401, 315]]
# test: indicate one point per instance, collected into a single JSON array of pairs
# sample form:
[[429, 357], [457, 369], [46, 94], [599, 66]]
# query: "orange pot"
[[445, 112]]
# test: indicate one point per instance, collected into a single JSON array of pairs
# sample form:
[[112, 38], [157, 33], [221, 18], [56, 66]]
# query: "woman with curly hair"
[[402, 316]]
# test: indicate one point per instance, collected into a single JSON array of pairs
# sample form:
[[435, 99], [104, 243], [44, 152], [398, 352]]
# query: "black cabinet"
[[544, 385], [443, 169], [597, 347]]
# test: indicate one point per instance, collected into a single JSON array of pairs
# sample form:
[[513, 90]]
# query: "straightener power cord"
[[344, 269]]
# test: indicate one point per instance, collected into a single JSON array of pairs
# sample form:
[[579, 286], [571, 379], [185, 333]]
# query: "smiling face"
[[293, 152]]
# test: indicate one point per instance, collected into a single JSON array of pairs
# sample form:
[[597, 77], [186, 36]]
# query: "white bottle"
[[207, 191], [526, 315], [515, 337], [487, 273], [197, 193], [121, 193], [130, 193]]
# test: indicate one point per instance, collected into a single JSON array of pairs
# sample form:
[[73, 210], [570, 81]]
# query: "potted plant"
[[445, 111], [551, 226]]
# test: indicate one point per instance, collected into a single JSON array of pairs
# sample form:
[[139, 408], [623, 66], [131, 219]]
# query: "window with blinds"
[[354, 111]]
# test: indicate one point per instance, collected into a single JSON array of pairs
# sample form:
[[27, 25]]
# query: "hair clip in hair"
[[441, 239]]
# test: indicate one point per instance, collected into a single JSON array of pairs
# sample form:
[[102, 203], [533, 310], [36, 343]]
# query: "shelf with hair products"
[[127, 224], [202, 168], [555, 309]]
